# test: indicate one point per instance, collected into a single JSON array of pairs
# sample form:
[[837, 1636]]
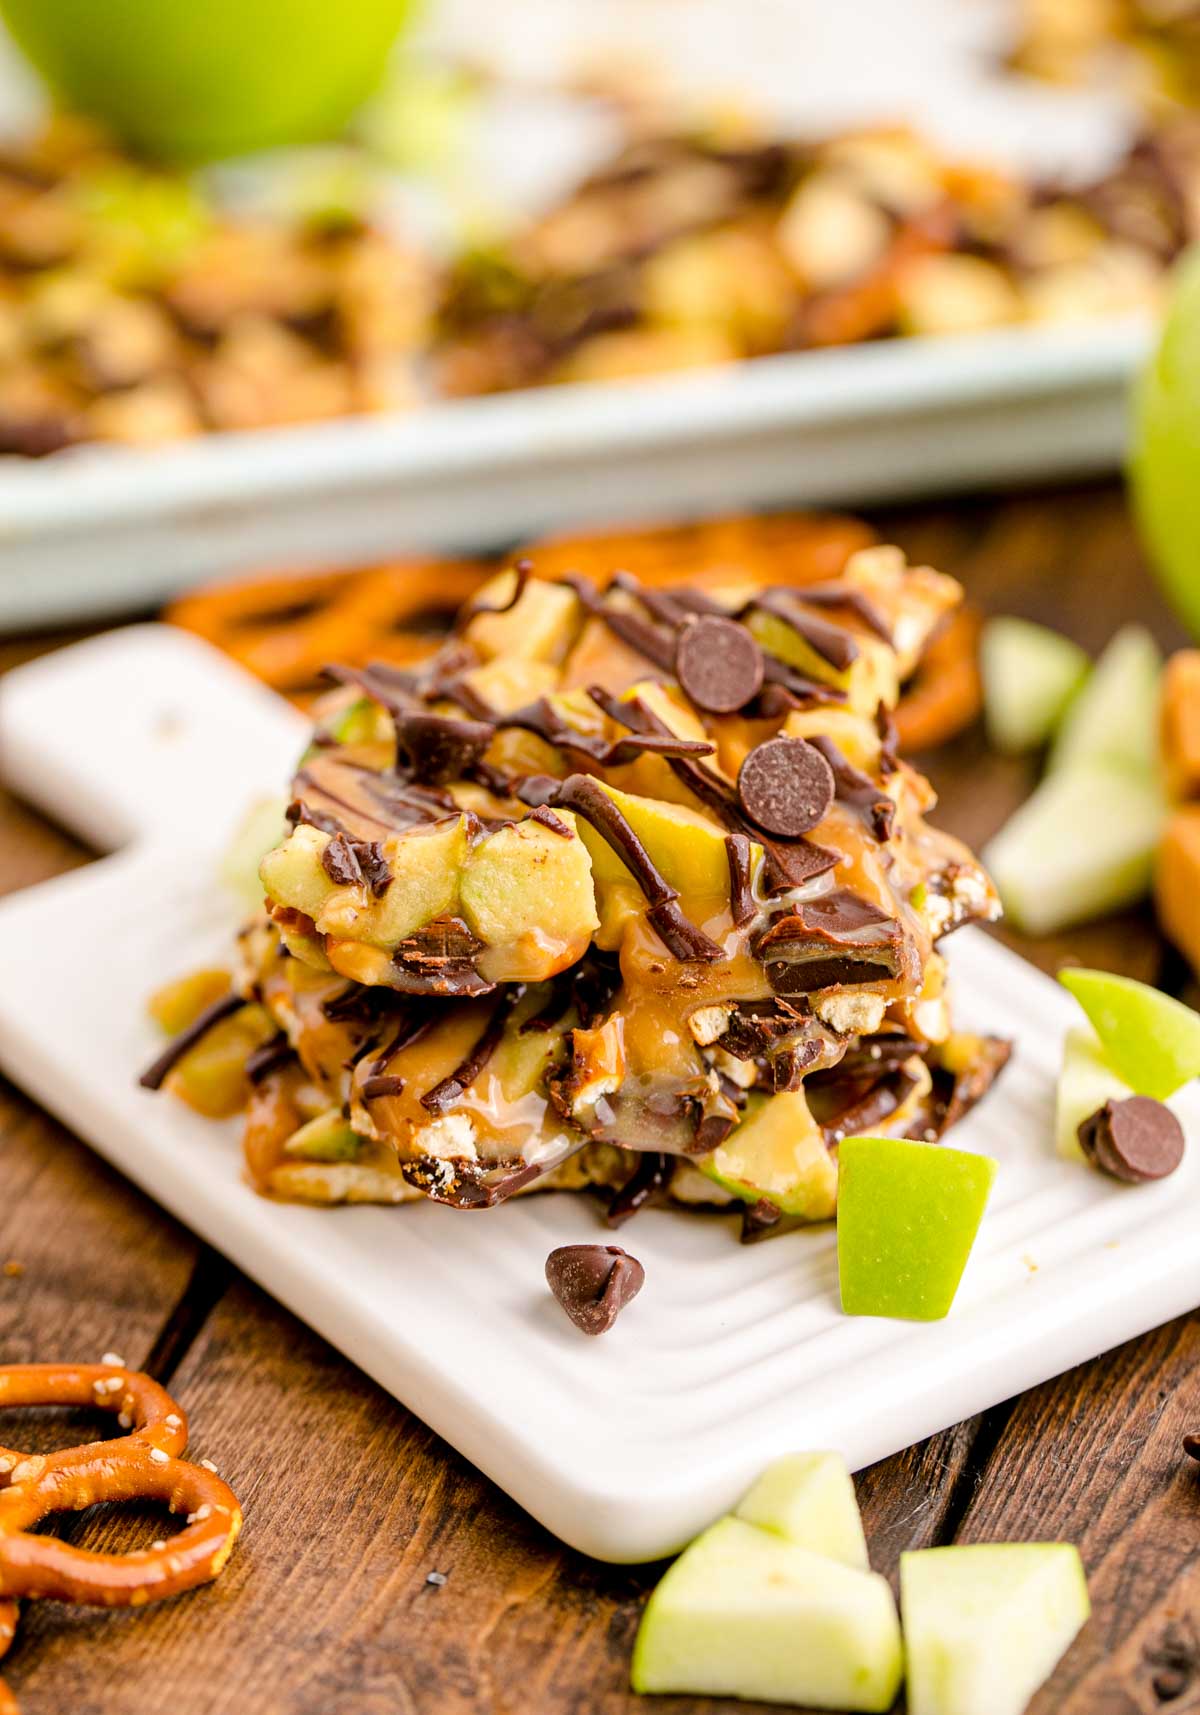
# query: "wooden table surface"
[[350, 1501]]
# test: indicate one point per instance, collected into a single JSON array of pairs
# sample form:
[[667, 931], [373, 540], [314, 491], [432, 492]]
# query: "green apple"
[[328, 1137], [1113, 722], [1082, 845], [196, 81], [779, 1152], [1085, 1083], [1150, 1040], [809, 1499], [261, 829], [1165, 455], [1030, 676], [908, 1214], [985, 1625], [742, 1613]]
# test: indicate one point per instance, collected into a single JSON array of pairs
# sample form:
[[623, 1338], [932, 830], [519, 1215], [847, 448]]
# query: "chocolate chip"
[[786, 786], [719, 664], [1133, 1140], [340, 864], [594, 1283]]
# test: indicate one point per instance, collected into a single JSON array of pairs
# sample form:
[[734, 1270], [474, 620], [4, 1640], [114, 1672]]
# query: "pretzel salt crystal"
[[142, 1465]]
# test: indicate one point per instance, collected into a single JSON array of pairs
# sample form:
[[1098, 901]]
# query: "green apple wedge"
[[743, 1613], [1165, 452], [1085, 1083], [1149, 1039], [809, 1499], [261, 829], [1082, 845], [1113, 722], [1030, 677], [908, 1214], [985, 1624]]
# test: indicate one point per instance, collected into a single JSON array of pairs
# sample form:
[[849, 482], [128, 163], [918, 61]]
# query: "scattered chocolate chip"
[[340, 864], [374, 866], [1191, 1446], [593, 1283], [1134, 1140], [786, 786], [718, 664]]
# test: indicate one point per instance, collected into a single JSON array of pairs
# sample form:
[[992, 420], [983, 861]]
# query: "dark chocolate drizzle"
[[857, 789], [741, 898], [854, 601], [579, 792], [833, 643], [647, 1182], [271, 1057], [155, 1074], [442, 1097], [386, 1084]]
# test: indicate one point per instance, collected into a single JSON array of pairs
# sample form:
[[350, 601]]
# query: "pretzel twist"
[[142, 1465]]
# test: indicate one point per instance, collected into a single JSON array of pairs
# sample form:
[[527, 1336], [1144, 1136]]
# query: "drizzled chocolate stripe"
[[854, 601], [152, 1078], [741, 899], [386, 1084], [653, 641], [833, 643], [298, 812], [579, 792], [269, 1058], [522, 572], [443, 1096], [545, 815], [889, 741], [392, 691], [857, 789], [543, 719], [437, 748], [789, 863], [409, 1032]]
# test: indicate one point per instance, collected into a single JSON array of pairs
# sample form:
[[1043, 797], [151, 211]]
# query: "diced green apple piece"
[[1150, 1040], [259, 831], [1113, 722], [528, 885], [986, 1624], [908, 1214], [779, 1152], [1030, 674], [1081, 846], [425, 864], [539, 626], [686, 848], [328, 1137], [1085, 1083], [743, 1613], [809, 1499]]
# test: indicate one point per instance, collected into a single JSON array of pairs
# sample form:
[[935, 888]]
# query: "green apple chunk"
[[539, 626], [1084, 844], [259, 831], [743, 1613], [328, 1137], [1150, 1040], [687, 849], [1113, 722], [809, 1499], [985, 1625], [1030, 675], [908, 1214], [425, 864], [779, 1152], [528, 883], [1085, 1083]]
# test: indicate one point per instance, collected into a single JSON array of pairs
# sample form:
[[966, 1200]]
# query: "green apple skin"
[[1030, 677], [809, 1499], [986, 1624], [1113, 722], [1085, 1083], [1149, 1039], [1081, 846], [1164, 461], [908, 1214], [742, 1613], [261, 829], [193, 82]]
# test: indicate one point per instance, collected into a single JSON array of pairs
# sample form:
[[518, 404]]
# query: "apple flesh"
[[1084, 844], [1150, 1040], [1085, 1083], [985, 1625], [908, 1214], [808, 1498], [744, 1613], [1030, 676], [1113, 722]]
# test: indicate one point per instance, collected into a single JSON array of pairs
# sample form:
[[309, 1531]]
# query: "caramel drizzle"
[[443, 1095], [154, 1075]]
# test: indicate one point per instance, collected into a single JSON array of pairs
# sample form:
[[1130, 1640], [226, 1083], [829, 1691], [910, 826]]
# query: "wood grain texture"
[[351, 1502]]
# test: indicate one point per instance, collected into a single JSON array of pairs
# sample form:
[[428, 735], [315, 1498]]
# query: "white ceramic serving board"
[[625, 1445]]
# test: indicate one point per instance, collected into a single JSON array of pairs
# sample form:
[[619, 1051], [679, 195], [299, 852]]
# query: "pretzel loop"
[[142, 1465]]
